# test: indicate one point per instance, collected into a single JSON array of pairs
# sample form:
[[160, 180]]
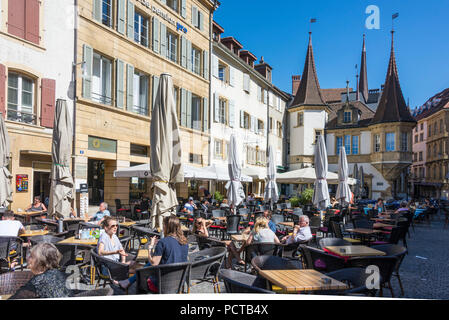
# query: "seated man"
[[205, 205], [10, 227], [301, 232], [403, 207], [190, 206], [98, 217]]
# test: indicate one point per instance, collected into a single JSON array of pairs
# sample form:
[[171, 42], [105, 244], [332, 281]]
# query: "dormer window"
[[347, 117]]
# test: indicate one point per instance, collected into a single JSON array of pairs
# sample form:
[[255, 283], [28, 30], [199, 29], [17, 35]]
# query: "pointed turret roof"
[[392, 106], [309, 92], [363, 79]]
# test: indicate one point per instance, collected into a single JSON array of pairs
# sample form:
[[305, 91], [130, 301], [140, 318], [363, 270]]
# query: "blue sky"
[[278, 31]]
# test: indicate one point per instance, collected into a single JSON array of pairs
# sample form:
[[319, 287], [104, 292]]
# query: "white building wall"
[[313, 119]]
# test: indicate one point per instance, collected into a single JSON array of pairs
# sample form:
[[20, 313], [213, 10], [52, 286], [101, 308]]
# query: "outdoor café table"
[[382, 225], [364, 232], [33, 233], [142, 255], [127, 223], [5, 296], [354, 251], [28, 215], [301, 280]]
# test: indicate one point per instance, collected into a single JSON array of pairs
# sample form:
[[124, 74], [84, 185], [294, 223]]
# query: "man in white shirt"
[[301, 232], [10, 227]]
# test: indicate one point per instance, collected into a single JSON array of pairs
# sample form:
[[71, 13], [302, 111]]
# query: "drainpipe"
[[75, 59]]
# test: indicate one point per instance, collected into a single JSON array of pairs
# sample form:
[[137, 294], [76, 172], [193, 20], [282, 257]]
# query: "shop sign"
[[101, 144]]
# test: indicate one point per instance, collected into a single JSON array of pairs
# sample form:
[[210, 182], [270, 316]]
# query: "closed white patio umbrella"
[[235, 193], [343, 194], [321, 197], [271, 189], [5, 175]]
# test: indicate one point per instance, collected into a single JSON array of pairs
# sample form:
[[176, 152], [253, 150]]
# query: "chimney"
[[264, 69], [295, 84]]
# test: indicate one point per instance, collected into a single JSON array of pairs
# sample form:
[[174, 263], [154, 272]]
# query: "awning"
[[255, 173], [307, 175]]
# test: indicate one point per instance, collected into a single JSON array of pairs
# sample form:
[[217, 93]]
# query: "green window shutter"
[[163, 40], [189, 55], [183, 52], [231, 113], [87, 79], [130, 87], [183, 108], [156, 38], [206, 65], [205, 115], [130, 24], [120, 87], [195, 16], [189, 109], [154, 92], [183, 8], [121, 14], [97, 10], [216, 107]]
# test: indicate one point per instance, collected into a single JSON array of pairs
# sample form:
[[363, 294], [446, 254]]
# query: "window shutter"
[[121, 14], [216, 108], [130, 87], [16, 18], [259, 93], [3, 90], [201, 21], [206, 65], [189, 55], [183, 108], [154, 92], [183, 9], [189, 109], [242, 119], [231, 76], [265, 96], [96, 11], [195, 16], [120, 88], [48, 102], [246, 80], [215, 66], [156, 35], [163, 40], [205, 115], [130, 18], [183, 52], [87, 79], [231, 113], [32, 21]]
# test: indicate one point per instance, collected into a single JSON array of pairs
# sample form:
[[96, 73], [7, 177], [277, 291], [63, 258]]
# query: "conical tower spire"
[[309, 92], [392, 106], [363, 79]]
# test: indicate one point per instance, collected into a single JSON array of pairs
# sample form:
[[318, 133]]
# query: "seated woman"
[[200, 228], [262, 233], [172, 248], [334, 202], [403, 207], [48, 281], [37, 205], [380, 206]]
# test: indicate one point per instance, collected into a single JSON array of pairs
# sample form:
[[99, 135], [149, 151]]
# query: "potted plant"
[[295, 201], [306, 198], [218, 196]]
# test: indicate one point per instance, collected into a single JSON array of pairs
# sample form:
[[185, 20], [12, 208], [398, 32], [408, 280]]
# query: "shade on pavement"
[[61, 191], [5, 175], [165, 147]]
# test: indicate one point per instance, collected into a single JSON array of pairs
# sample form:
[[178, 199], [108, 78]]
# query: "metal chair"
[[166, 278], [239, 282]]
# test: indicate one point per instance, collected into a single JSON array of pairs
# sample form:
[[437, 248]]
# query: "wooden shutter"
[[154, 92], [163, 40], [3, 90], [183, 52], [189, 55], [156, 38], [216, 107], [130, 22], [183, 108], [121, 16], [129, 87], [32, 21], [205, 115], [183, 9], [189, 109], [87, 79], [48, 102], [16, 18], [206, 65], [96, 11], [120, 87], [231, 113]]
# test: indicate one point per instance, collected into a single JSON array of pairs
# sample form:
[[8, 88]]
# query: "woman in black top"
[[37, 205], [48, 281]]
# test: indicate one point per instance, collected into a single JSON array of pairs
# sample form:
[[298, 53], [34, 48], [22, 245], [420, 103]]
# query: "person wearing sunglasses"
[[109, 244]]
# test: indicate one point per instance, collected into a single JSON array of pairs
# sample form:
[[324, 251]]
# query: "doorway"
[[95, 181], [41, 186]]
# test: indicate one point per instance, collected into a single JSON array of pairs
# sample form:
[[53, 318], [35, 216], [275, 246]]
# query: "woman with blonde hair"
[[262, 233]]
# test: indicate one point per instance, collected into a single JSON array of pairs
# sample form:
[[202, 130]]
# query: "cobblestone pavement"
[[421, 278]]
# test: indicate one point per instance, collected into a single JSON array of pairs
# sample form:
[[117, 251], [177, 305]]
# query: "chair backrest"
[[395, 235], [315, 222], [356, 278], [118, 204], [386, 265], [259, 249], [320, 260], [276, 218], [218, 213], [297, 211], [233, 223], [68, 252], [329, 242], [239, 282], [295, 218], [206, 263], [335, 228], [10, 282], [272, 263], [168, 278], [362, 223], [243, 211], [117, 270], [6, 245]]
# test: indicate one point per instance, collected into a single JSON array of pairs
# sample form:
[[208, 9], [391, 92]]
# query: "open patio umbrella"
[[321, 190], [61, 191], [361, 183], [165, 145], [235, 193], [5, 175], [271, 189], [343, 194]]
